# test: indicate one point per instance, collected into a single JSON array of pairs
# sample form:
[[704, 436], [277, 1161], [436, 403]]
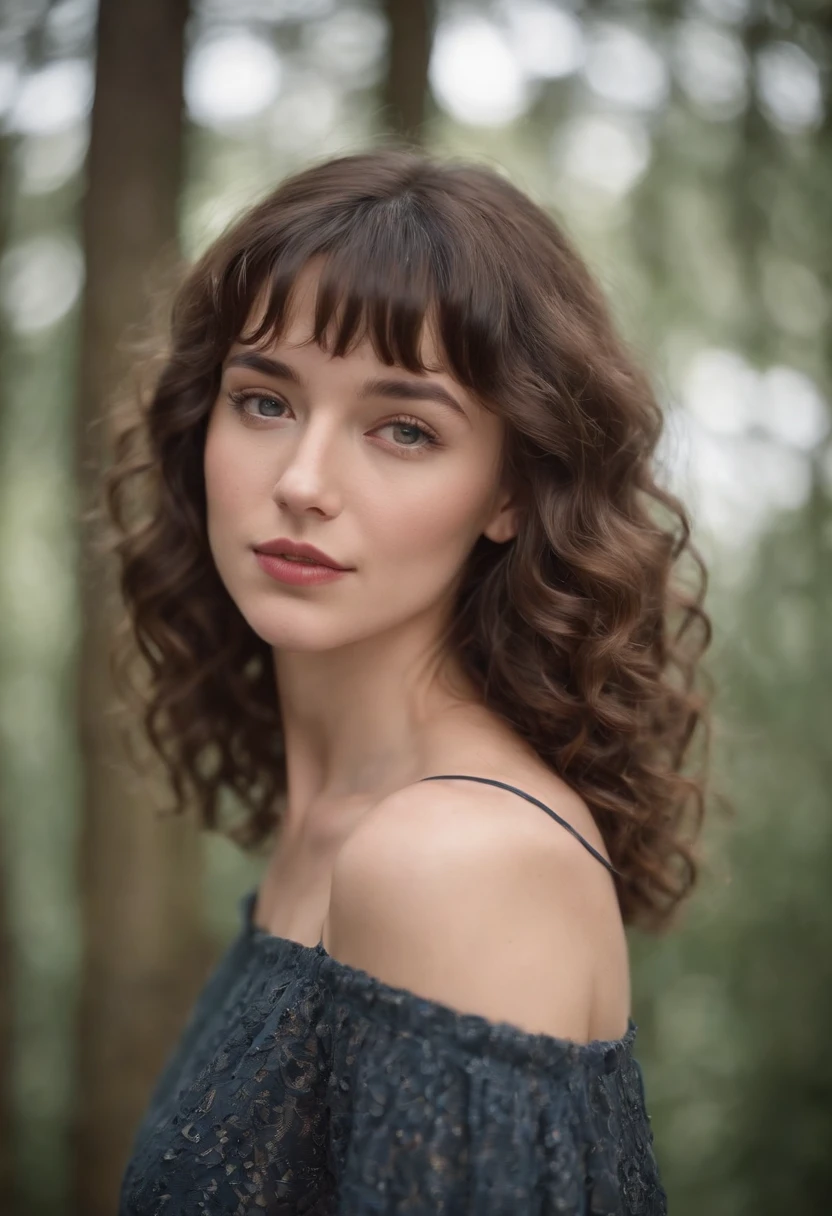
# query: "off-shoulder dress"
[[301, 1085]]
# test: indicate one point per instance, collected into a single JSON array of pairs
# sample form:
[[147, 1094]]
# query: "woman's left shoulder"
[[444, 893]]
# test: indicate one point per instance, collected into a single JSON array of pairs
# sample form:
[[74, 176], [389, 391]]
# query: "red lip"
[[295, 549]]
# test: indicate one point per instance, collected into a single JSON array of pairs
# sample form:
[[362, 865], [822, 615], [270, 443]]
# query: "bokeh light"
[[475, 75], [230, 78]]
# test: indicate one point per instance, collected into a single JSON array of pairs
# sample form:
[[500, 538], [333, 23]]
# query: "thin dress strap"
[[529, 798]]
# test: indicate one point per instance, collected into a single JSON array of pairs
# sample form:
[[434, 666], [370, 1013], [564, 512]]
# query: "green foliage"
[[738, 1005]]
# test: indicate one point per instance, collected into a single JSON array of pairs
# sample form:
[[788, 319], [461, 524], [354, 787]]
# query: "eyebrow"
[[390, 387]]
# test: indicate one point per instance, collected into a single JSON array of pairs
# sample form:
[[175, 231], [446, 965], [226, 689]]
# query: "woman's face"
[[390, 473]]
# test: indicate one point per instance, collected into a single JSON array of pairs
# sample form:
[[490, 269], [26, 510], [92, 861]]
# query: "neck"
[[357, 720]]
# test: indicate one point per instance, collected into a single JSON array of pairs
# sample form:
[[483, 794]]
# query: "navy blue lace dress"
[[302, 1085]]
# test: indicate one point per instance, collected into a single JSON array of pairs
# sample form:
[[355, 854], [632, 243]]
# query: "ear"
[[505, 522]]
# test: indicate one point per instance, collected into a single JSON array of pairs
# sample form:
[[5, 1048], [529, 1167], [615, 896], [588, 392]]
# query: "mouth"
[[297, 552], [297, 571]]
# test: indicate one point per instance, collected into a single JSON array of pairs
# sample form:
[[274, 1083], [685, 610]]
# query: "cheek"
[[431, 527], [228, 477]]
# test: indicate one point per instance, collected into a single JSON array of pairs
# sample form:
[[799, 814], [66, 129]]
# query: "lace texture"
[[302, 1085]]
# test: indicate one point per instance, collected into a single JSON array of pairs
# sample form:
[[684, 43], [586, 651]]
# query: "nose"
[[308, 481]]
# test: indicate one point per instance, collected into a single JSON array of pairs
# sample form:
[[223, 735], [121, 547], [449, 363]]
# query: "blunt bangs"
[[392, 270]]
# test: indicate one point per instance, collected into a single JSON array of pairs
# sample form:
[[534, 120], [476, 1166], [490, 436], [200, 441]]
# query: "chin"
[[283, 630]]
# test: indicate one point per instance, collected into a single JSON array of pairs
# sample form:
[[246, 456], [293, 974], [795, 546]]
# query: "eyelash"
[[239, 399]]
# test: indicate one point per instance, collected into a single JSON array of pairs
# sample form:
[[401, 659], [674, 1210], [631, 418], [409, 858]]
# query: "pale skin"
[[460, 892]]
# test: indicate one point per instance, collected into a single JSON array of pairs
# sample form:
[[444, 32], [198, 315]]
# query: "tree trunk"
[[144, 953], [6, 1029], [405, 96], [7, 1012]]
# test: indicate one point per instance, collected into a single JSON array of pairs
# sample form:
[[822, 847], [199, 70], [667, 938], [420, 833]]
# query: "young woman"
[[404, 584]]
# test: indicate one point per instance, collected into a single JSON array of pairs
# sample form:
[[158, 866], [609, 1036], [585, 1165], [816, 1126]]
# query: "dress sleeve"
[[433, 1111]]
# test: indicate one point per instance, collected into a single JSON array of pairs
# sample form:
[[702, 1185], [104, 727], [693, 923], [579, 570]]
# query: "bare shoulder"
[[467, 894]]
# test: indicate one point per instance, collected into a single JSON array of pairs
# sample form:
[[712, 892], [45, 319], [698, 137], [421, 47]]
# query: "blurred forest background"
[[687, 146]]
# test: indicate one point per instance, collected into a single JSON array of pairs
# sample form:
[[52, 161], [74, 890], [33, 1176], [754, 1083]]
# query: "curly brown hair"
[[584, 633]]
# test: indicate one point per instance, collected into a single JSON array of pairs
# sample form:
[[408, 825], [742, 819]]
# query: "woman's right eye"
[[261, 402]]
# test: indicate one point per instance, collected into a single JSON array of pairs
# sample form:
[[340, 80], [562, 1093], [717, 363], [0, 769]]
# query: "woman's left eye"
[[408, 424]]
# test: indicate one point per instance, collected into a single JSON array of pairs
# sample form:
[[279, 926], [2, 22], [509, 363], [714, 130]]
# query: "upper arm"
[[465, 910]]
